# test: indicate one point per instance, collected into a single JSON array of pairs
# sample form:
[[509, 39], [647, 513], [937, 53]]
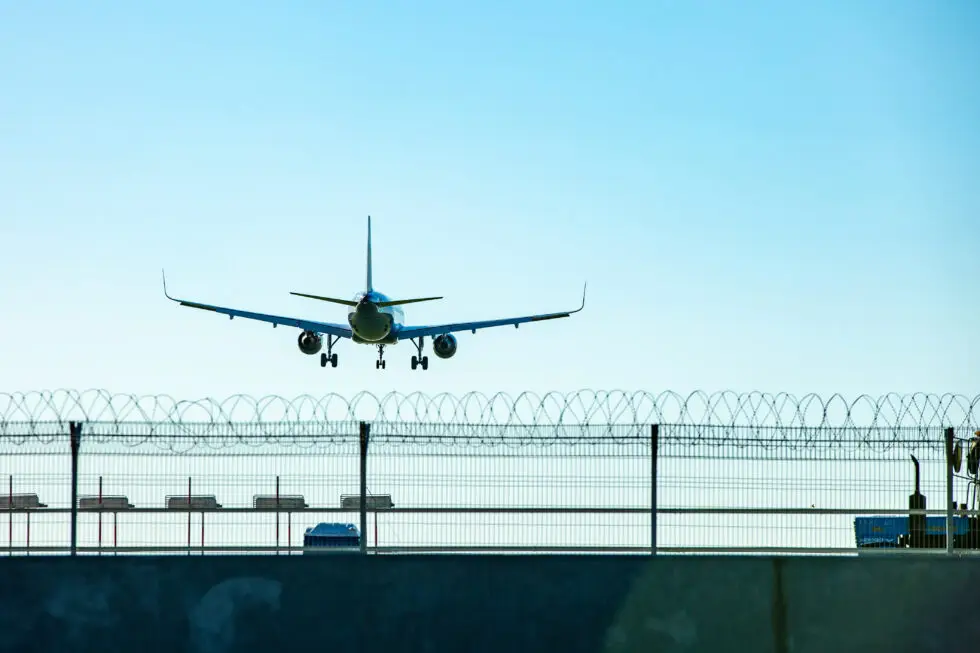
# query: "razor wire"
[[582, 415]]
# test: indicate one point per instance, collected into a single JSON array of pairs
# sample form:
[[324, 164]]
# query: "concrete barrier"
[[505, 604]]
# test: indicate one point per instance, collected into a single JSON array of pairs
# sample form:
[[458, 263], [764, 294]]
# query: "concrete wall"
[[505, 604]]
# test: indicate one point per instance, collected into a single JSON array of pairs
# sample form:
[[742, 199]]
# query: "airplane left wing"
[[309, 325], [437, 329]]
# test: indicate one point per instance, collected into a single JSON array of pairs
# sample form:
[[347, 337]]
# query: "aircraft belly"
[[371, 327]]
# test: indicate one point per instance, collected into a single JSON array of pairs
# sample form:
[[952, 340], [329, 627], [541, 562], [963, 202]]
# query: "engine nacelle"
[[309, 343], [445, 345]]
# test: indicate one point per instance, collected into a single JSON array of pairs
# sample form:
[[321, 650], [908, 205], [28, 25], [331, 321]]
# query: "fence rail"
[[93, 472]]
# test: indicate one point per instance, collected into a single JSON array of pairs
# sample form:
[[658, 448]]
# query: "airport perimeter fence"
[[95, 473]]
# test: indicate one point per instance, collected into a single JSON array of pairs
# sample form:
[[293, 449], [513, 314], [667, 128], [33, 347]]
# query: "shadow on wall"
[[594, 604]]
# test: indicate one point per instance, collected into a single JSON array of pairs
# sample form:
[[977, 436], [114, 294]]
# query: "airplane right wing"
[[407, 332], [308, 325]]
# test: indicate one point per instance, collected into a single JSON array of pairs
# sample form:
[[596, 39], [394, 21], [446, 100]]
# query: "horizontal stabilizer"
[[345, 302], [398, 302]]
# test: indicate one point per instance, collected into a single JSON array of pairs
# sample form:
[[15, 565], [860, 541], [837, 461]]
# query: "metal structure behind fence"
[[582, 472]]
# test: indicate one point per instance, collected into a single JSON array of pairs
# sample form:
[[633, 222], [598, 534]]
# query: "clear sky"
[[762, 195]]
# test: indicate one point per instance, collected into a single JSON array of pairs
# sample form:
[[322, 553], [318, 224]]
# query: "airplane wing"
[[309, 325], [436, 329]]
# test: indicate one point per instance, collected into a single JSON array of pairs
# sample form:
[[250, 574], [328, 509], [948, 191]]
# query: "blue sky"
[[761, 195]]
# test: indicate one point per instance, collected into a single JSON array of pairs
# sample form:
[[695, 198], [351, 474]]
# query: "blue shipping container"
[[885, 530]]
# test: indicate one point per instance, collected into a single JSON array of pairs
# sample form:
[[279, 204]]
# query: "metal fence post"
[[75, 429], [365, 432], [949, 491], [654, 445]]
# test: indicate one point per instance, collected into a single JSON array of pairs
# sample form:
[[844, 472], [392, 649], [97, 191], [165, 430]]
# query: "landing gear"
[[420, 359], [380, 363], [329, 357]]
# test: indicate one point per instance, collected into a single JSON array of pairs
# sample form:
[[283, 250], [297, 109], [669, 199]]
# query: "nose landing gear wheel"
[[380, 363]]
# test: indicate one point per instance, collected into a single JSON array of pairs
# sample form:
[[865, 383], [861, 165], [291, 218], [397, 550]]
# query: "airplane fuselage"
[[373, 324]]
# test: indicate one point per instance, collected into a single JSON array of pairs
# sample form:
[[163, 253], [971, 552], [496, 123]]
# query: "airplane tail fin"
[[398, 302], [348, 302], [369, 286], [345, 302]]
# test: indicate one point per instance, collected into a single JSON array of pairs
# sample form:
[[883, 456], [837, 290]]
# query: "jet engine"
[[445, 345], [309, 342]]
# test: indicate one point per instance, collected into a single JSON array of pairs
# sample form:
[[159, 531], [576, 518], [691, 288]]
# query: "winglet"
[[165, 294], [567, 313], [584, 288]]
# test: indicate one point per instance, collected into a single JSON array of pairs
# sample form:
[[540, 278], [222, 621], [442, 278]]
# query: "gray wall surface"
[[505, 604]]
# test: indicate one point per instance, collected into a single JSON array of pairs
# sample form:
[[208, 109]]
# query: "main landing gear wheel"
[[420, 359], [329, 356], [380, 363]]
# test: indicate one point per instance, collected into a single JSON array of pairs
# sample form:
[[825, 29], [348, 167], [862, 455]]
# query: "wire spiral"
[[580, 408]]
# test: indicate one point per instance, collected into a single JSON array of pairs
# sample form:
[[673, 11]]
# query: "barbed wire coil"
[[583, 407]]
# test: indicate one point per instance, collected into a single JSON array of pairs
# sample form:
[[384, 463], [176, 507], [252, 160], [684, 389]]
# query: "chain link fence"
[[151, 482]]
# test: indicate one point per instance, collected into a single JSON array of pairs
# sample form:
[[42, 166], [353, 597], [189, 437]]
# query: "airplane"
[[373, 319]]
